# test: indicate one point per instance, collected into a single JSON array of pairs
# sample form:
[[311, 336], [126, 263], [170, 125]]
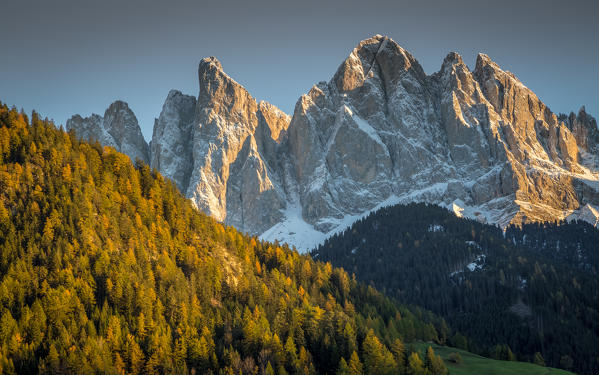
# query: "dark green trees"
[[508, 295]]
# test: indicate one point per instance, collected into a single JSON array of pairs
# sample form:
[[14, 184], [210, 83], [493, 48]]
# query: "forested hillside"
[[106, 268], [575, 243], [529, 293]]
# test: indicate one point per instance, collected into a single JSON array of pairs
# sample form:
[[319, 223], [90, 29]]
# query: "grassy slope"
[[475, 364]]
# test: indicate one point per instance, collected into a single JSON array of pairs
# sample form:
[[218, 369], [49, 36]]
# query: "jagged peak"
[[381, 41], [116, 106], [372, 40], [177, 95], [263, 105], [452, 58], [483, 59], [484, 62], [486, 68], [211, 70], [582, 111], [359, 64], [174, 92], [210, 63], [120, 103], [119, 108], [78, 117]]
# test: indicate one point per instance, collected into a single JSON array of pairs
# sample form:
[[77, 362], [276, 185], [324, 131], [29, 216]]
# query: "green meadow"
[[473, 364]]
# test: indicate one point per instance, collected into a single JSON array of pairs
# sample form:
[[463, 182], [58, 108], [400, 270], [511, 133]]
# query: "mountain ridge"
[[381, 131]]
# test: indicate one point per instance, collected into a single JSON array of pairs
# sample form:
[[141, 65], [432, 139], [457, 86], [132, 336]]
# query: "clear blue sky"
[[63, 57]]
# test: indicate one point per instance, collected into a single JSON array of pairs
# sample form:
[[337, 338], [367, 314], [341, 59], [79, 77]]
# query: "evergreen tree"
[[415, 365], [538, 359], [377, 358], [355, 366], [434, 364]]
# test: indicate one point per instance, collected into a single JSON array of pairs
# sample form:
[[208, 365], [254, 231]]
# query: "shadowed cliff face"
[[380, 132], [118, 128], [172, 147]]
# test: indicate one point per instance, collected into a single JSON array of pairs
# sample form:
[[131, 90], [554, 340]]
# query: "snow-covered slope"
[[380, 132]]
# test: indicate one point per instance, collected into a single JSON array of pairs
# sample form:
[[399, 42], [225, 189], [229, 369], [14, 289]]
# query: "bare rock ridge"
[[380, 132], [118, 128], [171, 148]]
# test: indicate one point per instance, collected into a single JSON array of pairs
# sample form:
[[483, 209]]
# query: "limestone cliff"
[[118, 128], [380, 132]]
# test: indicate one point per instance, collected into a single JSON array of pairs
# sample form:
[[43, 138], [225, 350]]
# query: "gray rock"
[[379, 132], [172, 139], [118, 128]]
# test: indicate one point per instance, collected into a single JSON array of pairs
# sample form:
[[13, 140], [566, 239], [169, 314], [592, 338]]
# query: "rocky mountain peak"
[[452, 59], [378, 57], [380, 132], [219, 92], [455, 74], [209, 64], [277, 120], [120, 122], [119, 105], [226, 182], [585, 130], [118, 128]]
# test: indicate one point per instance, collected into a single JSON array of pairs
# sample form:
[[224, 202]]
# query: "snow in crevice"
[[368, 129], [477, 264], [436, 228]]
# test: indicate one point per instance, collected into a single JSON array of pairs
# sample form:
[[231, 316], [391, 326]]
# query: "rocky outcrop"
[[118, 128], [585, 130]]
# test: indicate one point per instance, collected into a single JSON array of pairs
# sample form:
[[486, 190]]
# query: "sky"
[[63, 57]]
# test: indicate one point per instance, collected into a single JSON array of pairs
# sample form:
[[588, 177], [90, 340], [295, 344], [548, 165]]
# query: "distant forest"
[[528, 293]]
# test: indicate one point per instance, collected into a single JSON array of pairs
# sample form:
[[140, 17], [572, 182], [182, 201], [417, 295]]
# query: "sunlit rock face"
[[118, 128], [236, 175], [380, 132]]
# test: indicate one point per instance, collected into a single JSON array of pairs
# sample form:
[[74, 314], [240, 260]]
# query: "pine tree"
[[415, 365], [433, 363], [355, 366], [343, 368], [377, 358], [538, 359], [399, 354]]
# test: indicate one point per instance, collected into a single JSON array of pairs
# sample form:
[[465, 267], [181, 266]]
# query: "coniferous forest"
[[106, 268], [528, 293]]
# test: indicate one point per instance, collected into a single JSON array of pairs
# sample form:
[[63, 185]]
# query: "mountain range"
[[380, 132]]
